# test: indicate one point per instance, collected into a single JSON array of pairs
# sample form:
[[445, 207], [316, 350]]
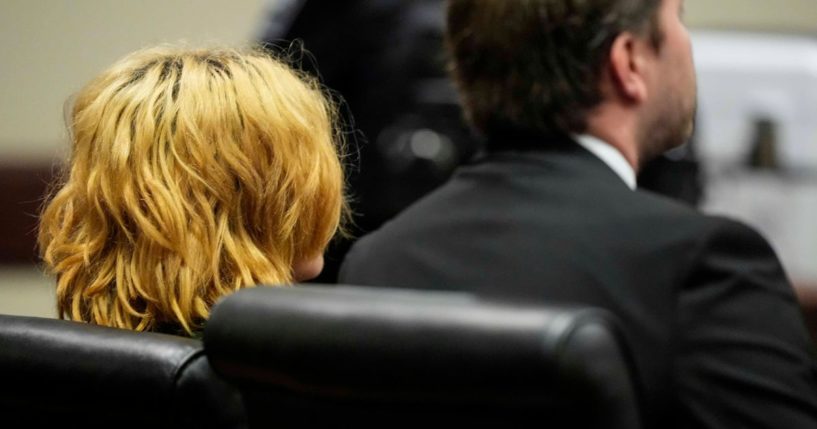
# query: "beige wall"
[[49, 48], [774, 15]]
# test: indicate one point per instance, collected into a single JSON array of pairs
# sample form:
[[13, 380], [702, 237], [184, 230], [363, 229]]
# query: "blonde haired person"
[[193, 173]]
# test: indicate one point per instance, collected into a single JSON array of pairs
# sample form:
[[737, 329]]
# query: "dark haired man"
[[573, 97]]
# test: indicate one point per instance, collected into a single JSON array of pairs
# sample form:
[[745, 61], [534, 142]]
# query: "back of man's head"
[[535, 65]]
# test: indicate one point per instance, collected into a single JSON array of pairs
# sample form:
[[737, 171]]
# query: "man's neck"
[[617, 129]]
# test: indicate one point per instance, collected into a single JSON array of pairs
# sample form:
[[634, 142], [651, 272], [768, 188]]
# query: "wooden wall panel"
[[22, 190]]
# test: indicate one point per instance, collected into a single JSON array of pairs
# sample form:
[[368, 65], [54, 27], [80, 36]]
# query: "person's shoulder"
[[725, 235], [648, 211], [651, 204], [654, 202], [709, 225], [722, 247], [704, 231], [371, 254]]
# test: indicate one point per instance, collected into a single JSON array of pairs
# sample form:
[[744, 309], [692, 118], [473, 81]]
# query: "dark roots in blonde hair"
[[193, 173]]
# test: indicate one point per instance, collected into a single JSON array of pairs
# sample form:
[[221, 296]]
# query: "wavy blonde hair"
[[193, 173]]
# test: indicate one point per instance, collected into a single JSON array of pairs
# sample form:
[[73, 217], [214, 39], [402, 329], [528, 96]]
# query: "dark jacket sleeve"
[[356, 268], [745, 359]]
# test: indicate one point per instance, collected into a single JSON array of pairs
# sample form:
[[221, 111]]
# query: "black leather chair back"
[[363, 357], [62, 374]]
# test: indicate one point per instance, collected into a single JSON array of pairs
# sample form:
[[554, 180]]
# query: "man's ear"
[[628, 67]]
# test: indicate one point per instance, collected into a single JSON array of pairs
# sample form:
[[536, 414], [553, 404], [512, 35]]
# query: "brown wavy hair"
[[534, 66], [193, 173]]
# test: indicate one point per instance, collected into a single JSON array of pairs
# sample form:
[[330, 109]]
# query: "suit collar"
[[610, 156], [556, 150]]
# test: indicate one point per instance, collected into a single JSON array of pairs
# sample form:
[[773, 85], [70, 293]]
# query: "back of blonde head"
[[193, 173]]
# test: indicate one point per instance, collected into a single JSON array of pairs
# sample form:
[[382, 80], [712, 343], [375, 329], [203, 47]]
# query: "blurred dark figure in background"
[[574, 97], [385, 57]]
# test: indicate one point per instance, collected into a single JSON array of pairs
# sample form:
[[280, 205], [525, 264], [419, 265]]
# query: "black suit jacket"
[[717, 334]]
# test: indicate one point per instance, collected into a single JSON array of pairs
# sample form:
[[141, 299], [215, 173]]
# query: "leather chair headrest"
[[431, 350], [67, 374]]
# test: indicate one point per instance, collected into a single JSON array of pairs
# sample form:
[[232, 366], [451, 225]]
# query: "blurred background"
[[754, 155]]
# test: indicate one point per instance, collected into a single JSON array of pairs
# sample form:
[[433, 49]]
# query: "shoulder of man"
[[743, 353]]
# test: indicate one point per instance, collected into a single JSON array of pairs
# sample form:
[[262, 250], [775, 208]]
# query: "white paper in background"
[[743, 77]]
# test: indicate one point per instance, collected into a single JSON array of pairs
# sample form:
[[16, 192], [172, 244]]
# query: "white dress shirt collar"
[[610, 156]]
